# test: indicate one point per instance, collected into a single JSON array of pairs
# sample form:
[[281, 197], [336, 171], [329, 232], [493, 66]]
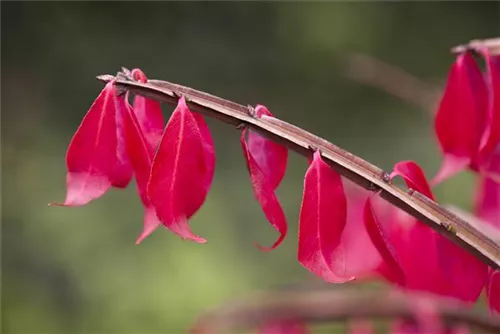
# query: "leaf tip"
[[273, 246]]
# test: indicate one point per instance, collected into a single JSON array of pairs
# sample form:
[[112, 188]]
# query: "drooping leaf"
[[356, 256], [141, 152], [145, 127], [93, 159], [413, 176], [488, 199], [450, 270], [322, 219], [182, 170], [150, 223], [461, 117], [149, 114], [123, 170], [271, 157], [493, 291], [266, 162], [393, 267], [415, 179], [491, 138]]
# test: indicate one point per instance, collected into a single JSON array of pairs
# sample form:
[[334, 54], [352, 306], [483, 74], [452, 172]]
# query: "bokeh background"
[[77, 270]]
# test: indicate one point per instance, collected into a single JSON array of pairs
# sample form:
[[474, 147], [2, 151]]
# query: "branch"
[[481, 241], [393, 80], [397, 82], [492, 44], [334, 305]]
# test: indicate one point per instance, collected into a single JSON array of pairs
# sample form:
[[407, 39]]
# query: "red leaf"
[[149, 114], [488, 197], [493, 291], [271, 157], [94, 158], [141, 152], [182, 170], [266, 163], [151, 223], [322, 219], [447, 268], [123, 170], [383, 245], [461, 117], [450, 166], [356, 255], [491, 137], [414, 177]]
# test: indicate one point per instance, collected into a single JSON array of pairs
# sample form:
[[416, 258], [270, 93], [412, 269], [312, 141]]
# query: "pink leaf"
[[450, 166], [491, 138], [460, 119], [141, 152], [182, 171], [488, 201], [93, 158], [415, 179], [123, 170], [271, 157], [413, 176], [379, 239], [266, 163], [149, 114], [356, 255], [322, 219], [151, 223], [456, 272], [493, 291]]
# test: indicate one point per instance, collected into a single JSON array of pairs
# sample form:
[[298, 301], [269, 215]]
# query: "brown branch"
[[397, 82], [480, 242], [492, 44], [393, 80], [333, 305]]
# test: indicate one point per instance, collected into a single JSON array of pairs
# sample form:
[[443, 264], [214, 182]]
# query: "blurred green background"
[[77, 270]]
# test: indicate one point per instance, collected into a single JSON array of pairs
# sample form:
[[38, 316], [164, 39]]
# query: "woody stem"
[[478, 239], [327, 305]]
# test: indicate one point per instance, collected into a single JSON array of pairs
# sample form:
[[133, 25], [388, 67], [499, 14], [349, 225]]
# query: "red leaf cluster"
[[467, 122], [467, 126], [344, 233], [173, 165]]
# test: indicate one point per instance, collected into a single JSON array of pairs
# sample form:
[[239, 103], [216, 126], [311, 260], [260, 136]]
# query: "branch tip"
[[105, 78]]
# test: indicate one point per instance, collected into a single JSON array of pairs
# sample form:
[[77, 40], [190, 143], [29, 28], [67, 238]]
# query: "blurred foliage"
[[78, 270]]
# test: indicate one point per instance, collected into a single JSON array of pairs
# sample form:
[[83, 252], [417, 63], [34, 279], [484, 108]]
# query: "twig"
[[334, 305], [393, 80], [478, 242], [399, 83], [492, 44]]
